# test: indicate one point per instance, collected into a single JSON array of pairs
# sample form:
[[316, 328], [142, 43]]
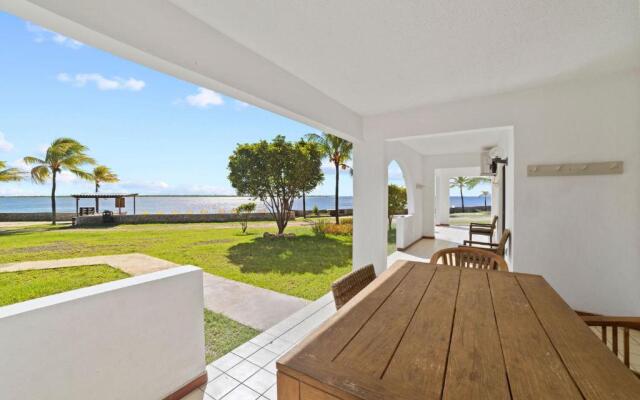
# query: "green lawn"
[[303, 266], [464, 219], [222, 334], [26, 285]]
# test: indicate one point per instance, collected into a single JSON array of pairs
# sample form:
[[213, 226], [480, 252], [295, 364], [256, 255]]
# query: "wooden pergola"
[[97, 196]]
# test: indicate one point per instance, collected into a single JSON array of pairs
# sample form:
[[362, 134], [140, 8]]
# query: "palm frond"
[[40, 174], [33, 160], [10, 174]]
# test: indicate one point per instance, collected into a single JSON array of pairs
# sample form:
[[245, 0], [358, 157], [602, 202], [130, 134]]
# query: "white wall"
[[581, 233], [137, 338]]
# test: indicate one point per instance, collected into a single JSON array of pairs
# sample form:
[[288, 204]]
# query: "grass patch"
[[222, 334], [303, 266], [464, 219], [26, 285]]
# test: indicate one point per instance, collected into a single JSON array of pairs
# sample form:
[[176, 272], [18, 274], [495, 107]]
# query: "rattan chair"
[[476, 228], [351, 284], [614, 325], [469, 257], [499, 248]]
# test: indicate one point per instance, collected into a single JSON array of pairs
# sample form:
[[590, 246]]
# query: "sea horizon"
[[186, 203]]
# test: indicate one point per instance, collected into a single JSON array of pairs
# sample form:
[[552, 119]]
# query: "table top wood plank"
[[508, 335], [596, 370], [369, 352], [475, 368], [534, 368], [422, 354], [334, 334]]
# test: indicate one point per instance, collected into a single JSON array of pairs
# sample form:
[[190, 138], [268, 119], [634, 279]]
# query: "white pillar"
[[442, 193], [369, 204], [428, 202]]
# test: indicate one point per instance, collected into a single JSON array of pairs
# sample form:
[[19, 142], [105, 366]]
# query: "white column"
[[428, 202], [442, 193], [369, 204]]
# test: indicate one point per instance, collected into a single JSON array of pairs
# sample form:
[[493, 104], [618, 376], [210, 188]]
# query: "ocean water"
[[183, 204], [159, 204]]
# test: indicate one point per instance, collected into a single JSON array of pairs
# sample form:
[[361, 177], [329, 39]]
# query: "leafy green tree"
[[338, 151], [63, 154], [463, 182], [397, 201], [10, 174], [485, 194], [243, 212], [312, 176], [271, 172], [102, 174]]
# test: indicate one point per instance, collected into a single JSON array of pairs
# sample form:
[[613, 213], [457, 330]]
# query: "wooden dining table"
[[426, 331]]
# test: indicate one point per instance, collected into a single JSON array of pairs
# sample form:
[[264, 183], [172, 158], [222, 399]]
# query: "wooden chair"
[[499, 248], [483, 229], [469, 257], [351, 284], [626, 324]]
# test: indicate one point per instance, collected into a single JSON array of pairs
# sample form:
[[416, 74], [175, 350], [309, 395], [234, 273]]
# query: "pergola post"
[[134, 205]]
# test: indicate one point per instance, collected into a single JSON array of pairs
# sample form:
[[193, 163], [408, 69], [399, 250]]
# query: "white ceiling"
[[376, 56], [473, 141]]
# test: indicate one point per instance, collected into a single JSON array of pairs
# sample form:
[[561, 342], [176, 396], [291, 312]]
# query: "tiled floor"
[[248, 372]]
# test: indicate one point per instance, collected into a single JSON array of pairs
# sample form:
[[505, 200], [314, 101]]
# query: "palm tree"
[[102, 174], [338, 151], [485, 194], [10, 174], [63, 154], [462, 182]]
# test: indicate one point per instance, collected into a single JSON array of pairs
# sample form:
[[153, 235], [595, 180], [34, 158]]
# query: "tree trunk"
[[53, 198], [337, 192], [485, 203], [304, 205], [462, 198], [97, 203]]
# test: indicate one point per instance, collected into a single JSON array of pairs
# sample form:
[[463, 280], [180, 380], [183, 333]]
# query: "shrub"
[[243, 212], [323, 227], [316, 211]]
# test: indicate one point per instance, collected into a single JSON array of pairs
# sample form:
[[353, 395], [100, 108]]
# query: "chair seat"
[[481, 230]]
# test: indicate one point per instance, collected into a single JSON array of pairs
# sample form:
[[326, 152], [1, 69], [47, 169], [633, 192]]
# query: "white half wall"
[[136, 338], [581, 233]]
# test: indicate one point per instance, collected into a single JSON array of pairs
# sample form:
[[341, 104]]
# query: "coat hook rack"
[[594, 168]]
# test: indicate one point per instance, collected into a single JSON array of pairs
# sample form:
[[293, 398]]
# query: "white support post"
[[369, 204]]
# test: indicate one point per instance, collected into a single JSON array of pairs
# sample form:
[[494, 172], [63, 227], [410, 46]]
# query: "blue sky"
[[161, 135]]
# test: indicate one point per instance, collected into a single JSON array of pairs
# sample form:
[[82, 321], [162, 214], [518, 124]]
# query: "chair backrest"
[[494, 222], [617, 326], [506, 234], [469, 257], [351, 284]]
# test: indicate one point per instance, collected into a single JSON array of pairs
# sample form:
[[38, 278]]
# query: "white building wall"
[[580, 233], [136, 338]]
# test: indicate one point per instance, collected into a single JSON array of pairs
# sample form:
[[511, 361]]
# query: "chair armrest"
[[601, 320], [480, 224], [481, 248], [471, 243]]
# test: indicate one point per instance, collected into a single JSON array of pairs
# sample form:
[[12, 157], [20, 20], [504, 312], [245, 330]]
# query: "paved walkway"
[[250, 305]]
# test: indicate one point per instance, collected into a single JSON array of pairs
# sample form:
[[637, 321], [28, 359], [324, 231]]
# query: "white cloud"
[[240, 105], [5, 145], [20, 164], [42, 35], [102, 83], [204, 98]]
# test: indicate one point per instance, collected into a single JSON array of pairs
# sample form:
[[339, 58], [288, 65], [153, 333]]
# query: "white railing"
[[136, 338], [406, 230]]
